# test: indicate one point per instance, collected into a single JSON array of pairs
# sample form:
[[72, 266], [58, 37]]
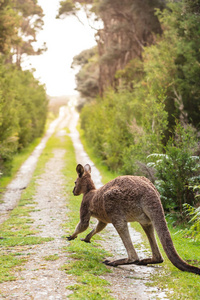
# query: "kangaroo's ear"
[[79, 170], [87, 168]]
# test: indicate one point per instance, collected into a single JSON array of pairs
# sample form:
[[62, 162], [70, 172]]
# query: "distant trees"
[[23, 102], [88, 75]]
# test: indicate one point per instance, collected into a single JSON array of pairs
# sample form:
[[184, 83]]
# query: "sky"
[[64, 38]]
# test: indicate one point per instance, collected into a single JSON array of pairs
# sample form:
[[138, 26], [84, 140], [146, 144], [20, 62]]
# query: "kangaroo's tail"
[[166, 241]]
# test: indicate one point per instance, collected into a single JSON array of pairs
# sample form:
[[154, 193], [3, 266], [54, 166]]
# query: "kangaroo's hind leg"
[[100, 226], [156, 255], [122, 229]]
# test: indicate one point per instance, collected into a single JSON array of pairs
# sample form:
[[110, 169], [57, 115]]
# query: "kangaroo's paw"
[[70, 238], [123, 261], [146, 261], [86, 241]]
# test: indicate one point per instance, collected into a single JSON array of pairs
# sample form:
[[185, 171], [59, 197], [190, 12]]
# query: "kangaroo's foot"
[[70, 238], [85, 240], [146, 261], [123, 261]]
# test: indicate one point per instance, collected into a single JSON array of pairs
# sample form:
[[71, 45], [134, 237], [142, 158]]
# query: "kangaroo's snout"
[[74, 192]]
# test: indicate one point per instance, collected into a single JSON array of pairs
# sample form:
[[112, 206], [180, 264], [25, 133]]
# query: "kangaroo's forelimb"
[[82, 226], [70, 238], [79, 228], [100, 226]]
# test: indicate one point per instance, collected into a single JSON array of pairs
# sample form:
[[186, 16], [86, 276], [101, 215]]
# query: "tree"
[[172, 63], [87, 77], [31, 22], [128, 26], [9, 24], [20, 20]]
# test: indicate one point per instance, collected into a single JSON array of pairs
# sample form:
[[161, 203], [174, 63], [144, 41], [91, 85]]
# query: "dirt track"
[[41, 279]]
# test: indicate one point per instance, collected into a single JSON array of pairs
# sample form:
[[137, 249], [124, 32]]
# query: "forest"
[[23, 100], [140, 108]]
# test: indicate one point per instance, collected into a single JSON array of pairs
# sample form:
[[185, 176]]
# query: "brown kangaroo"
[[126, 199]]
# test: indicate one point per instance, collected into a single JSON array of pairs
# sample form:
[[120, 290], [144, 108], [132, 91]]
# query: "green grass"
[[51, 257], [8, 262]]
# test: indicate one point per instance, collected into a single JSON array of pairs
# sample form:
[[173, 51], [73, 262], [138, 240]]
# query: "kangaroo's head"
[[83, 183]]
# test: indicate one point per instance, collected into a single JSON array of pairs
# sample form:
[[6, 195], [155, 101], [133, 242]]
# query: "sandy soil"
[[44, 280]]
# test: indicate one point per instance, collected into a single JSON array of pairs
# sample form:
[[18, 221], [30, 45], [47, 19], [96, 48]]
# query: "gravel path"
[[43, 279]]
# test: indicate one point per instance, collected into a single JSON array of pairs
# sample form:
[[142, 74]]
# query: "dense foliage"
[[23, 102], [178, 169], [116, 128]]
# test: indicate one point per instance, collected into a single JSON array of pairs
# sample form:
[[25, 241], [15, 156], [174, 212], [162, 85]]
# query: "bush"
[[106, 125], [121, 130], [177, 169]]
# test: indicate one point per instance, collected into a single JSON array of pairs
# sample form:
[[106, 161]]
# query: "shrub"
[[23, 110], [177, 168]]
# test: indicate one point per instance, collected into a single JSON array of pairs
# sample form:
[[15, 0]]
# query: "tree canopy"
[[19, 23]]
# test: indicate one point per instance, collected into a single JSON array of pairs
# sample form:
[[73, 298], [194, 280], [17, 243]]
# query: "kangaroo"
[[122, 200]]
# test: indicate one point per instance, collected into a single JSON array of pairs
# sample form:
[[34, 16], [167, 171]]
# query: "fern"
[[194, 213]]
